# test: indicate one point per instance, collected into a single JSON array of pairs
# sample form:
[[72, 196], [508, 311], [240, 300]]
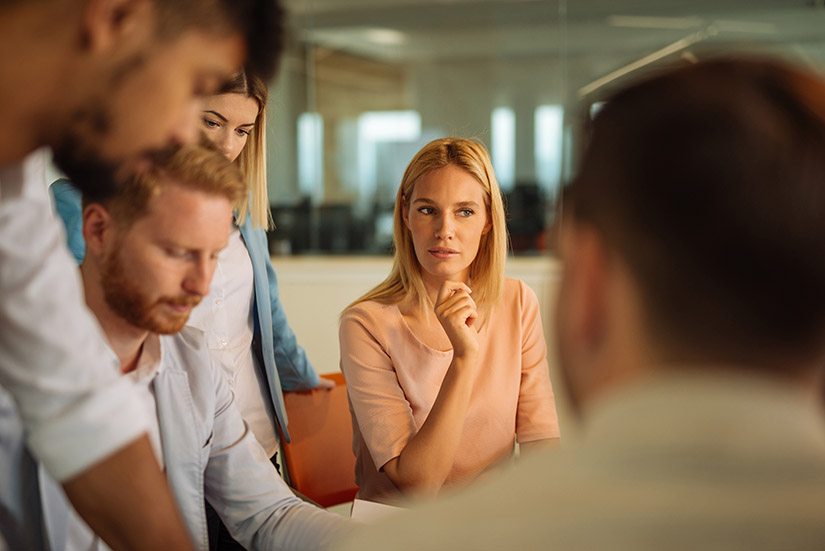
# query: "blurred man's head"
[[152, 250], [695, 230], [133, 73]]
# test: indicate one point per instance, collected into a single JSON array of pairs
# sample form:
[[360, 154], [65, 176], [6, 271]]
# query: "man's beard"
[[125, 299], [92, 175]]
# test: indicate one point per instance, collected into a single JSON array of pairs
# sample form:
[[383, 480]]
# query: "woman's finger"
[[449, 288]]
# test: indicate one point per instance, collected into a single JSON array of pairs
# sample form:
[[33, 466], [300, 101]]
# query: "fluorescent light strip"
[[642, 22], [648, 59]]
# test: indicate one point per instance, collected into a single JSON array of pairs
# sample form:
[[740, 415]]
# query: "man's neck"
[[127, 345], [124, 338]]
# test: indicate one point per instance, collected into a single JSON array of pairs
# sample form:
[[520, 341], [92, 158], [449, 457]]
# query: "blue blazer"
[[284, 361]]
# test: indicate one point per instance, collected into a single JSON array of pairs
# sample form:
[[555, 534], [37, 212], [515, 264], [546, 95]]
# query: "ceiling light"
[[641, 22], [385, 37]]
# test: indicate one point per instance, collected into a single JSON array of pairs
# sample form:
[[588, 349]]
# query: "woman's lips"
[[443, 253]]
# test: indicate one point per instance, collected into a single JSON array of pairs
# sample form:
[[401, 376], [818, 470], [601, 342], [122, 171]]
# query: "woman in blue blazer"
[[245, 324]]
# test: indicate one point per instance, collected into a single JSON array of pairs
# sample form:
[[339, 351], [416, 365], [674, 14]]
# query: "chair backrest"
[[319, 459]]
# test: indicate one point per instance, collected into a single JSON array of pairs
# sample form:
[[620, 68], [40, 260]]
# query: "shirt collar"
[[150, 361]]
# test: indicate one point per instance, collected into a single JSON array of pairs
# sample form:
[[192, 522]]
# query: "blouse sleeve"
[[385, 419], [536, 418]]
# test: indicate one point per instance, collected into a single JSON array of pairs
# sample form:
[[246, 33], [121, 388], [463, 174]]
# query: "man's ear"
[[98, 229], [109, 22], [585, 251]]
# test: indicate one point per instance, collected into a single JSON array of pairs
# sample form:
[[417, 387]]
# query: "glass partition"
[[365, 83]]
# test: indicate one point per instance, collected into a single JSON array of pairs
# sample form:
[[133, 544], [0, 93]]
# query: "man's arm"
[[82, 420], [258, 508], [141, 513]]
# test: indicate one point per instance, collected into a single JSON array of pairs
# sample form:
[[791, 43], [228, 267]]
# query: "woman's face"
[[447, 216], [228, 120]]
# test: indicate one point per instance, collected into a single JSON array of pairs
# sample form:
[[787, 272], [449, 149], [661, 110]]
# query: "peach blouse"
[[393, 380]]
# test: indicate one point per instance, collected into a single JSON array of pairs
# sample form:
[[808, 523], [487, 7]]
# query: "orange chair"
[[319, 461]]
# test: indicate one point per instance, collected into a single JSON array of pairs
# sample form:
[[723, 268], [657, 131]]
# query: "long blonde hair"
[[252, 160], [487, 269]]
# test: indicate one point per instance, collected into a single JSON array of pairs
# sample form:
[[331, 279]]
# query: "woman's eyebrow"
[[459, 204], [217, 115]]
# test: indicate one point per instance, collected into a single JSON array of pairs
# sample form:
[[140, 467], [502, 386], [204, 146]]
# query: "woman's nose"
[[445, 228]]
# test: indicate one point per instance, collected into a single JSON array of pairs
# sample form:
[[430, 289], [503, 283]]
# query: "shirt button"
[[223, 343], [218, 301]]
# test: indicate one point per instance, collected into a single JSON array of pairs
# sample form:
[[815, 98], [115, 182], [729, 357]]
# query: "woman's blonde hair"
[[487, 269], [252, 160]]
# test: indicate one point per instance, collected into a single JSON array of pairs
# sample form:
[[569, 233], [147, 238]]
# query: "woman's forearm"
[[426, 460]]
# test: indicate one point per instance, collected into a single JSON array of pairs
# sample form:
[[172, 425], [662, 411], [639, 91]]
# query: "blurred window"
[[365, 84]]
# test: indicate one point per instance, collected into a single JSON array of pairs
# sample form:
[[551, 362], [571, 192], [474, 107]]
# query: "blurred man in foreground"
[[690, 327], [104, 84]]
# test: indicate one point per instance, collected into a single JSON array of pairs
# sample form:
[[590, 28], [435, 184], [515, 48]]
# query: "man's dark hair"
[[260, 22], [709, 182]]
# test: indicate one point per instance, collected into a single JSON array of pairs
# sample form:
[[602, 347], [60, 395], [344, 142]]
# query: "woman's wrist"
[[466, 357]]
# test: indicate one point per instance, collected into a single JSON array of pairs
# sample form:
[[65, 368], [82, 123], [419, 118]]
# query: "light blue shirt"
[[210, 454]]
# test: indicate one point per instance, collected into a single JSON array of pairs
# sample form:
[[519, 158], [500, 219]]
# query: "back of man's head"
[[202, 168], [260, 22], [709, 182]]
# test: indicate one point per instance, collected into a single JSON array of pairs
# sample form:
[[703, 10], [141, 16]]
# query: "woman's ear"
[[107, 23], [98, 229], [405, 212]]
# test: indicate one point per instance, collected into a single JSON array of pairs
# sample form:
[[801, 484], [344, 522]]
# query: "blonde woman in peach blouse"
[[445, 361]]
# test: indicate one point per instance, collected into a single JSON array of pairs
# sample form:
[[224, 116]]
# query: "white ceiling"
[[624, 30]]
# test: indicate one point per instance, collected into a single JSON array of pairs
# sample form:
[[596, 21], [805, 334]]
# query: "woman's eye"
[[243, 133], [426, 210], [176, 253], [210, 124], [466, 212]]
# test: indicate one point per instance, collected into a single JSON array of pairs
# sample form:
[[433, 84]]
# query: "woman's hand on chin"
[[457, 313]]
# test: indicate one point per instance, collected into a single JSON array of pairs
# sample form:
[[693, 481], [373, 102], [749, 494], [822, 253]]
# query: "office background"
[[365, 83]]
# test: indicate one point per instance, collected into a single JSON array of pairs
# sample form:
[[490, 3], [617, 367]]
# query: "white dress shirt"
[[72, 401], [226, 317]]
